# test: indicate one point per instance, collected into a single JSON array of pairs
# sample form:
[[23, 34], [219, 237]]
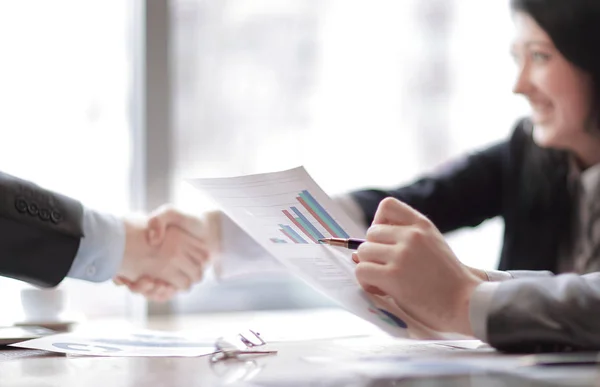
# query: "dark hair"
[[574, 27]]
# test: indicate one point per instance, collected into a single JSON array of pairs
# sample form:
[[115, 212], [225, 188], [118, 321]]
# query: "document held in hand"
[[287, 213]]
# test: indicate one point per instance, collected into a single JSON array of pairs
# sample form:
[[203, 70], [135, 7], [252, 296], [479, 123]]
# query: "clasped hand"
[[405, 257], [164, 253]]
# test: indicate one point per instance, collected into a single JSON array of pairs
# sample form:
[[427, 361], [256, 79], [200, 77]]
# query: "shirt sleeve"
[[530, 273], [498, 276], [481, 300], [101, 249], [479, 308]]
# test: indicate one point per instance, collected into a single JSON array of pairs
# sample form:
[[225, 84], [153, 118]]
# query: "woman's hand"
[[407, 258]]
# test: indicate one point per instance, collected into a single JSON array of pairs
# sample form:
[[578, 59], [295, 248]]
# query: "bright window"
[[64, 105]]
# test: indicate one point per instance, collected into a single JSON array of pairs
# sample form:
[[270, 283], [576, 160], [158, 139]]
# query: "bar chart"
[[287, 213], [308, 222]]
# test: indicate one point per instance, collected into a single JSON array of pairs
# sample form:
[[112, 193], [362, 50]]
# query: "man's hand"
[[152, 289], [407, 258], [177, 249]]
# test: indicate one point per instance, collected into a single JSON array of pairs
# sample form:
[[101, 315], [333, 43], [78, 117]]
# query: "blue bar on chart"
[[307, 224], [322, 216], [278, 240], [300, 226], [293, 235], [304, 220]]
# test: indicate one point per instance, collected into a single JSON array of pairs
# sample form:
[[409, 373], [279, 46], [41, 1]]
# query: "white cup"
[[44, 305]]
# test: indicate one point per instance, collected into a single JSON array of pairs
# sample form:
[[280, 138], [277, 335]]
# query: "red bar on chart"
[[300, 227], [317, 217]]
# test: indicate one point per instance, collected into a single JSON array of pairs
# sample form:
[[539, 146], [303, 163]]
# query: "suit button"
[[21, 205], [56, 216], [45, 214], [33, 209]]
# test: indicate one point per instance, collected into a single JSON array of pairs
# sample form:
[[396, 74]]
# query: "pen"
[[349, 243]]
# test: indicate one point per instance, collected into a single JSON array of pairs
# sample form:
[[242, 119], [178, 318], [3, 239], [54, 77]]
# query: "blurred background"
[[115, 102]]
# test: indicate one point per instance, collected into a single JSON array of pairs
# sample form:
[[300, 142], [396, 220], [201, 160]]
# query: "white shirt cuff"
[[479, 308], [498, 276], [101, 248], [531, 273]]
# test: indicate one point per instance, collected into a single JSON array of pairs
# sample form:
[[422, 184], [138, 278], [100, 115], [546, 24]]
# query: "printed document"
[[287, 213]]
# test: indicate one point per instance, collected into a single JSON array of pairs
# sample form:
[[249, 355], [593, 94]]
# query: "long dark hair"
[[574, 27]]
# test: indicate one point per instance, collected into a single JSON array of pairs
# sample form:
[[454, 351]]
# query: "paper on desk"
[[286, 213], [140, 343]]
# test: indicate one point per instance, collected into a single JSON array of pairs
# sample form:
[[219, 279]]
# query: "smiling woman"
[[560, 79], [544, 181]]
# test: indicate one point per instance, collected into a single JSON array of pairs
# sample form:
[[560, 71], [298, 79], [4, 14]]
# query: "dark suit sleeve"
[[463, 193], [546, 314], [40, 232]]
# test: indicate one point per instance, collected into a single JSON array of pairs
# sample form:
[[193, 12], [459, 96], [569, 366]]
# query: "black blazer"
[[521, 182], [40, 232]]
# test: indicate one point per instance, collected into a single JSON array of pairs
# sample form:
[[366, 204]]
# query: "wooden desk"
[[299, 363]]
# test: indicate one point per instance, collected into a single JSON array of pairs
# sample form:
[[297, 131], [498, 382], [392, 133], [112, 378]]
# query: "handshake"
[[167, 252]]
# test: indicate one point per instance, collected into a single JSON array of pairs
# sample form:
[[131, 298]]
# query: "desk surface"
[[319, 362]]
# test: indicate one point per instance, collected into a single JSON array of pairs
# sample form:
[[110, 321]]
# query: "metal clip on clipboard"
[[235, 360], [240, 345]]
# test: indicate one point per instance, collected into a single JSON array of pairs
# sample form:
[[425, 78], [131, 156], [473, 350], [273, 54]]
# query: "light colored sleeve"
[[101, 249], [552, 313], [479, 308], [530, 274], [481, 300], [498, 276]]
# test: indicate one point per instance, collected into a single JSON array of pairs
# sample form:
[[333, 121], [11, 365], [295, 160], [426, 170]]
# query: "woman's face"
[[559, 93]]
